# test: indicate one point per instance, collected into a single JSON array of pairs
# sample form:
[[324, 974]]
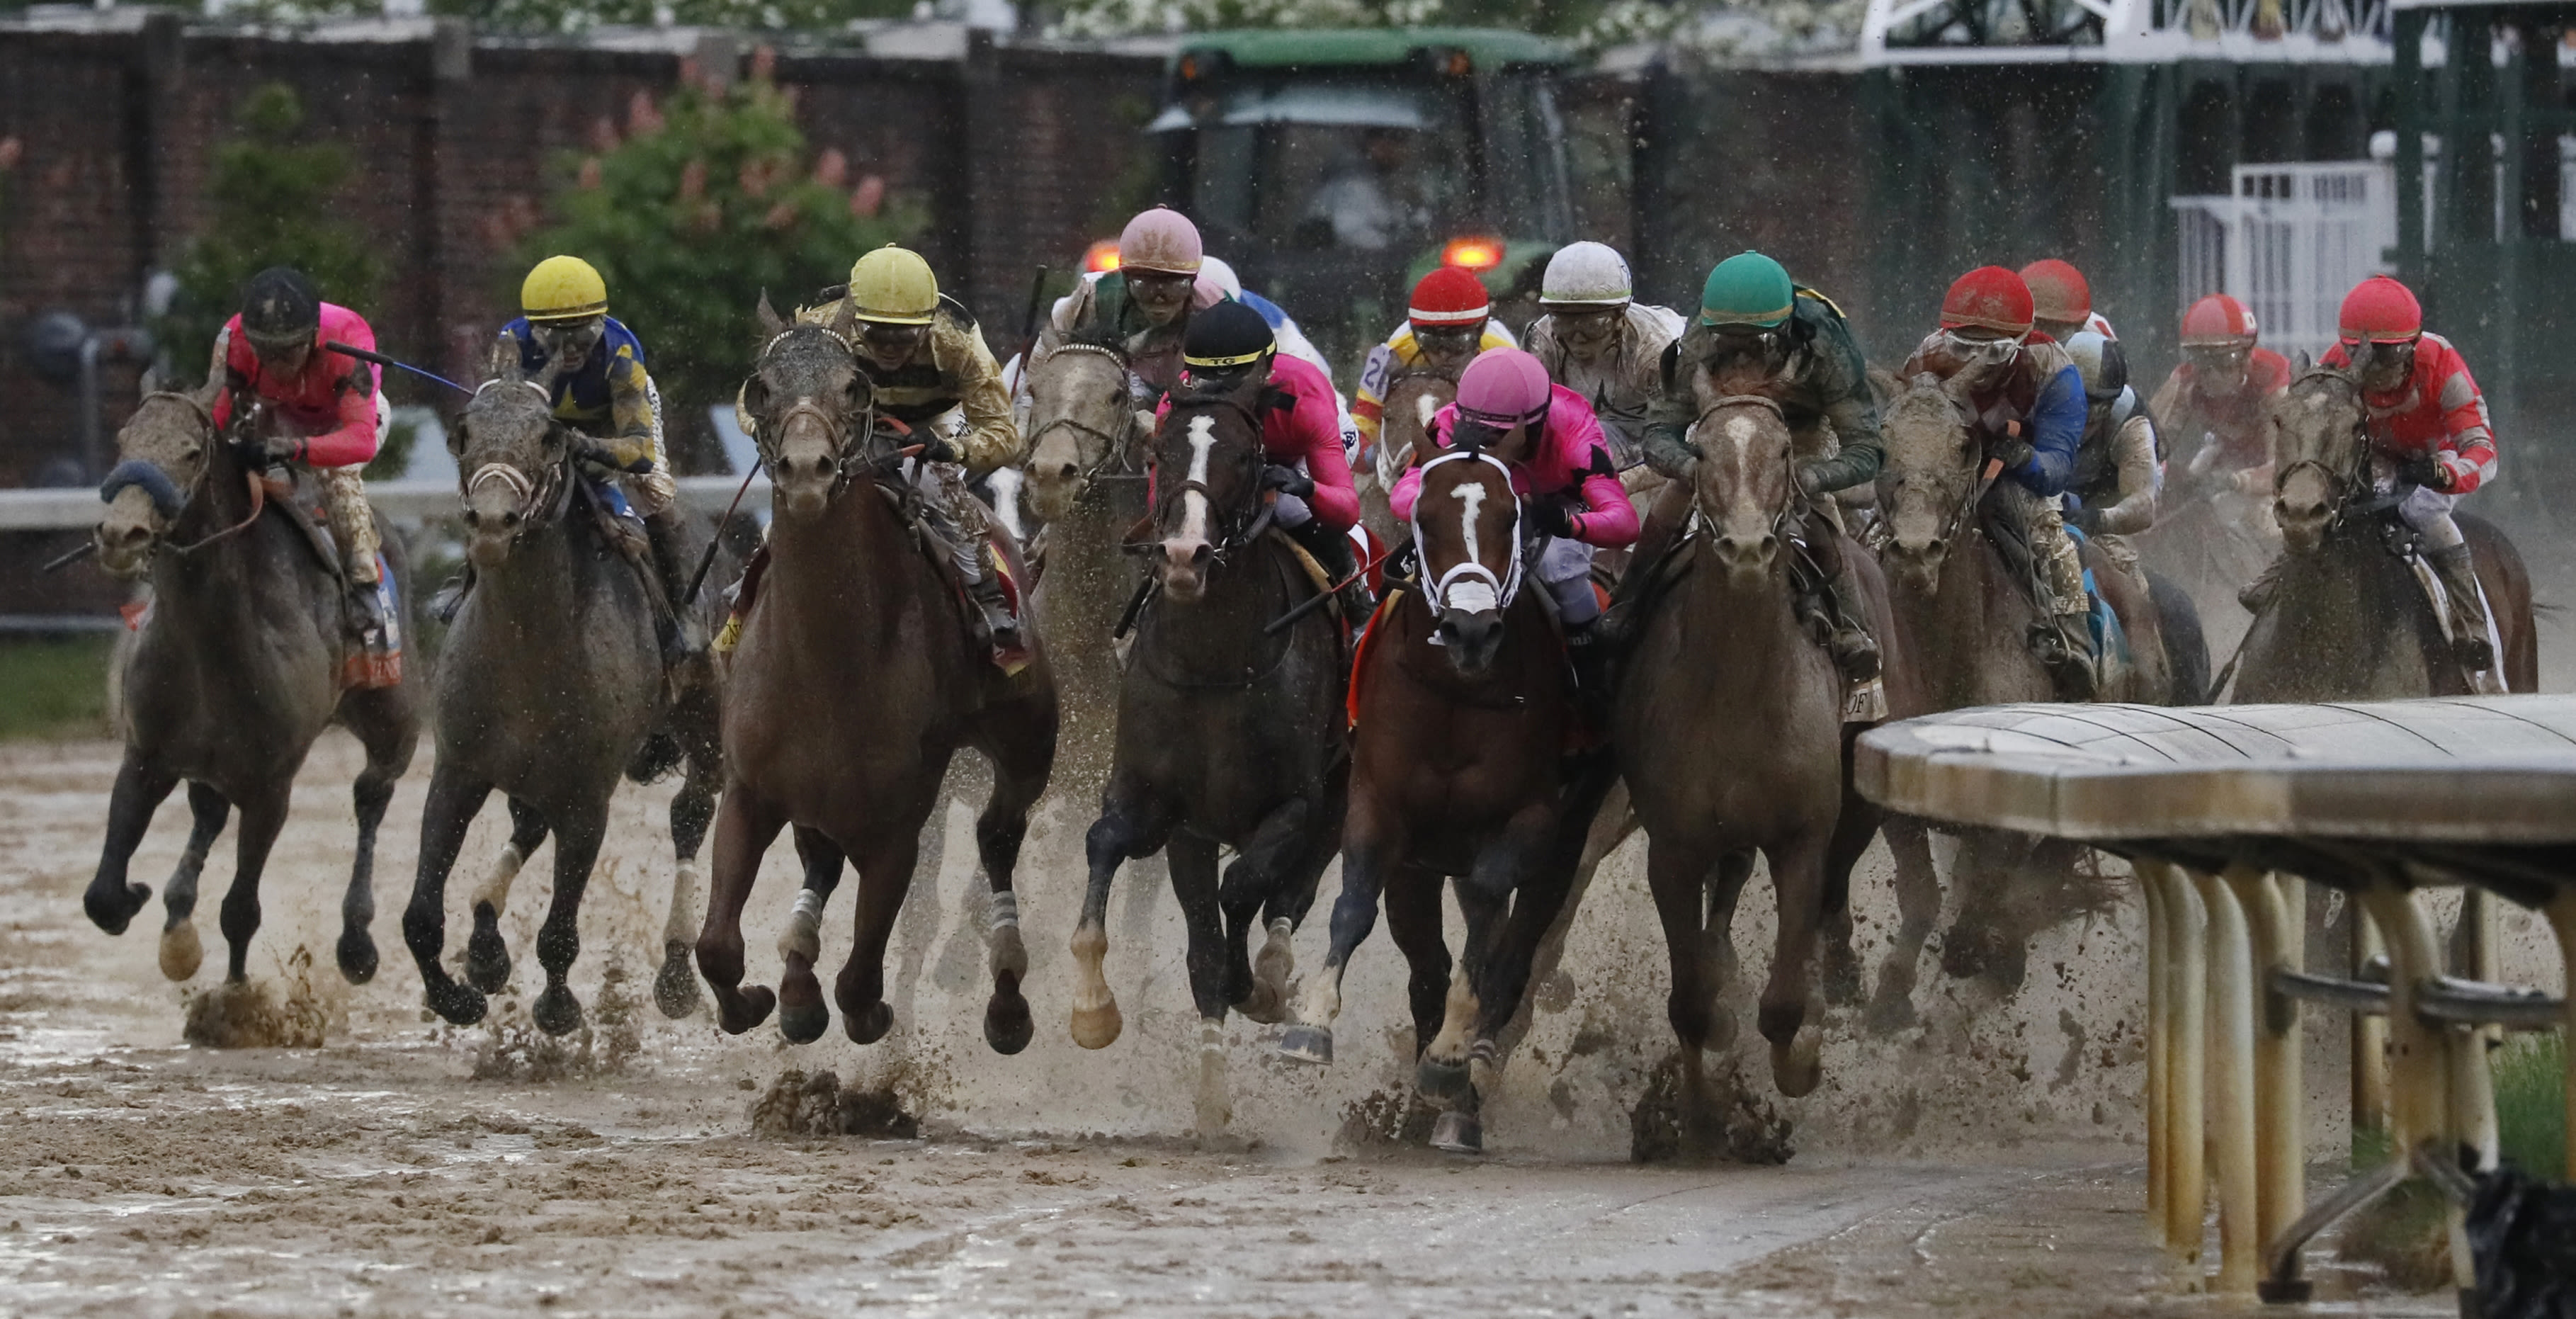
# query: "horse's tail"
[[2186, 645], [2507, 579]]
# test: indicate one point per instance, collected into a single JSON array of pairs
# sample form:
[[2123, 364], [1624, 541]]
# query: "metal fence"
[[2289, 241]]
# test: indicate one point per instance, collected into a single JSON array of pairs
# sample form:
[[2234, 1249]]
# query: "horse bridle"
[[539, 500], [849, 455], [2347, 486], [1246, 532], [1505, 587], [168, 499], [1788, 510], [1114, 449]]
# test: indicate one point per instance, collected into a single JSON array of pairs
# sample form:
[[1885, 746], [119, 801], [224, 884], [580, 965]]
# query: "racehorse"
[[1963, 619], [2348, 620], [1458, 770], [234, 673], [1228, 735], [550, 689], [1731, 735], [856, 679], [1404, 434], [1085, 480]]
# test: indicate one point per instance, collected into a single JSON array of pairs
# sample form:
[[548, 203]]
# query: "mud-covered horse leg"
[[1918, 905], [1413, 917], [454, 798], [487, 955], [262, 819], [693, 809], [1788, 1017], [1267, 861], [803, 1016], [181, 952], [1507, 870], [1021, 762], [1371, 850], [141, 787], [1726, 881], [1192, 860], [1857, 822], [1132, 824], [885, 877], [744, 831], [1274, 968], [1990, 937], [1444, 1075], [386, 725], [1678, 878], [577, 842]]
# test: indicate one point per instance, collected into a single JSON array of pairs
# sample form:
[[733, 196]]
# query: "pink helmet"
[[1502, 388], [1163, 240]]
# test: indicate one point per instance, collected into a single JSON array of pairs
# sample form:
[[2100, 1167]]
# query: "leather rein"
[[1788, 510], [118, 479], [1115, 454]]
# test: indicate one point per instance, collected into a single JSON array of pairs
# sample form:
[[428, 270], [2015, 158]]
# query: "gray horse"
[[550, 688], [234, 674], [1085, 479]]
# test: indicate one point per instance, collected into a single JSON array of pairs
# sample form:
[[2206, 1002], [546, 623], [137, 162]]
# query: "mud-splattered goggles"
[[1969, 351], [569, 336]]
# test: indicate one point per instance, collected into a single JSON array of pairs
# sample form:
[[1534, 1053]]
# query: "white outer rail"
[[402, 501]]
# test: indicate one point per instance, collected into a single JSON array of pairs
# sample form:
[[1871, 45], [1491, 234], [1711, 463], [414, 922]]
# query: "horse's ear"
[[502, 362], [770, 325], [1958, 389], [845, 315], [2301, 365]]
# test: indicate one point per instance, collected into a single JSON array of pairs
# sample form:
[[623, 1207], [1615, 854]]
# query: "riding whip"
[[708, 559], [364, 355], [1315, 602]]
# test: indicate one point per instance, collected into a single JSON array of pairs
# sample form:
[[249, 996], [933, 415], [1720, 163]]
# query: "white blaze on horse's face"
[[1474, 594], [1194, 505]]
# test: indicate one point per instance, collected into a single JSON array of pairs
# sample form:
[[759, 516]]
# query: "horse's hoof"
[[181, 953], [804, 1023], [1721, 1031], [1458, 1133], [557, 1011], [1796, 1067], [869, 1024], [1264, 1004], [675, 988], [357, 952], [1439, 1079], [1007, 1024], [744, 1009], [487, 955], [1097, 1028], [458, 1005], [1891, 1011], [113, 911], [1307, 1044], [1841, 975]]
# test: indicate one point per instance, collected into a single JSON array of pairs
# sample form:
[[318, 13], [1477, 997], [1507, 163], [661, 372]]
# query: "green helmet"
[[1746, 289]]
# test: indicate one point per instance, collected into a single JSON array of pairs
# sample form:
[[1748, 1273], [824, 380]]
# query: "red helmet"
[[2218, 321], [2380, 310], [1988, 298], [2058, 291], [1449, 297]]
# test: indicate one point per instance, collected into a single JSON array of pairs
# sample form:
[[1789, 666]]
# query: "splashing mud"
[[798, 1104], [250, 1014], [1731, 1120]]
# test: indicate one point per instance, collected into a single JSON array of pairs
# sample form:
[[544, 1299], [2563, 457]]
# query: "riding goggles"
[[569, 336], [890, 334], [1970, 352], [2218, 357], [1448, 341]]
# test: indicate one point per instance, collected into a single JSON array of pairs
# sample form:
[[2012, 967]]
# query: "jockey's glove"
[[1550, 517], [937, 450], [1670, 455], [594, 452], [1288, 481], [1809, 477], [259, 451], [2428, 471], [2088, 520], [2013, 452]]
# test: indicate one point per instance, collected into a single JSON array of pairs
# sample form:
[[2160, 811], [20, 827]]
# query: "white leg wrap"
[[803, 936], [681, 925], [1211, 1037], [495, 890], [1006, 910]]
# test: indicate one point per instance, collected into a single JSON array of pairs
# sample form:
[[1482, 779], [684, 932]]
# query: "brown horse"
[[1457, 770], [1228, 735], [1731, 737], [550, 689], [856, 679], [2348, 620], [1403, 435], [234, 674]]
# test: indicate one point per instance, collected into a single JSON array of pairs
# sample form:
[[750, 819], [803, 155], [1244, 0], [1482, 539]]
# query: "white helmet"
[[1216, 271], [1585, 274]]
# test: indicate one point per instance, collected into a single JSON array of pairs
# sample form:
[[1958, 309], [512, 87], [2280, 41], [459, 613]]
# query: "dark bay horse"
[[234, 674], [856, 680], [1227, 736], [1731, 737], [1458, 770], [1963, 618], [2348, 620], [550, 689]]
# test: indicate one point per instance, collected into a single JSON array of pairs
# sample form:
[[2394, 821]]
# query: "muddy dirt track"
[[1983, 1162]]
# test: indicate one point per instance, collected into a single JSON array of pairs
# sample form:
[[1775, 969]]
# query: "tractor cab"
[[1331, 167]]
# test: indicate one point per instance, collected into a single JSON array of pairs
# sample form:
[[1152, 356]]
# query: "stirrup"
[[1855, 654], [2470, 649]]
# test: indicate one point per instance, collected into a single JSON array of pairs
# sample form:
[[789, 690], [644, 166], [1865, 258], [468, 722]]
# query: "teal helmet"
[[1747, 289]]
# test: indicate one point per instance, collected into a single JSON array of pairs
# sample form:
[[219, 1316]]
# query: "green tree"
[[706, 203], [275, 203], [576, 15]]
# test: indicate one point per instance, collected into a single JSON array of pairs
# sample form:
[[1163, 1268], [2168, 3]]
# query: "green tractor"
[[1333, 167]]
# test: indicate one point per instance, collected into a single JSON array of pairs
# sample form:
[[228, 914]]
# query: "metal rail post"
[[2369, 1033], [2422, 1084], [2280, 1088], [2562, 922], [2232, 1086], [2159, 1041], [2185, 1026]]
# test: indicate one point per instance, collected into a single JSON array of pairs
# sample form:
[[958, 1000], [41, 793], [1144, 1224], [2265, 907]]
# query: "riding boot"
[[2258, 593], [1000, 625], [1332, 551], [1855, 652], [2459, 576], [666, 532], [1589, 656], [2063, 645]]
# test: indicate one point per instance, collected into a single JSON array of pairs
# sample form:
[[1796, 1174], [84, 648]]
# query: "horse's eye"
[[191, 452]]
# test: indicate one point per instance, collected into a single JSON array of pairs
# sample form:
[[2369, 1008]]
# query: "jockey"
[[1448, 321], [2118, 470], [2028, 402], [1597, 340], [326, 411], [2429, 422], [601, 389], [2061, 301], [1562, 467], [1759, 333], [930, 372], [1300, 436], [2214, 402], [1292, 340], [1144, 306]]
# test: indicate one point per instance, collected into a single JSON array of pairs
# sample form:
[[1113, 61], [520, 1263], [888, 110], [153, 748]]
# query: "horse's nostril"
[[510, 519], [472, 518], [1199, 556], [1066, 472], [132, 535]]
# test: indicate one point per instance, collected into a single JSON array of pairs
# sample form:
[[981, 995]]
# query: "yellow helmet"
[[894, 286], [563, 288]]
